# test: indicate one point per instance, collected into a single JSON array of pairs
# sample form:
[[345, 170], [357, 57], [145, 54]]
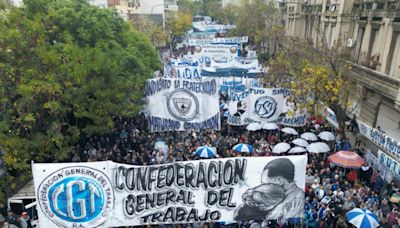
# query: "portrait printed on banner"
[[277, 197]]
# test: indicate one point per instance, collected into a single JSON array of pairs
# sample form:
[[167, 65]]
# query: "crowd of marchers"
[[330, 191]]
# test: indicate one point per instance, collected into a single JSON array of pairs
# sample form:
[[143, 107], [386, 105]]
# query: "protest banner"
[[180, 68], [331, 117], [256, 105], [296, 120], [292, 115], [388, 166], [108, 194], [218, 40], [182, 105], [378, 165], [212, 55], [385, 142]]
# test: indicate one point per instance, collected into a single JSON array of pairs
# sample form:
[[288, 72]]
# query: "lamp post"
[[163, 14], [152, 8]]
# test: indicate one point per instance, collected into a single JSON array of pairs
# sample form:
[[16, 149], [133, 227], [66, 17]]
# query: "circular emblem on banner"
[[183, 105], [197, 49], [265, 107], [233, 49], [76, 197]]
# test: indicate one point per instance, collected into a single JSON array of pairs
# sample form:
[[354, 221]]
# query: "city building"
[[99, 3], [155, 10], [370, 31]]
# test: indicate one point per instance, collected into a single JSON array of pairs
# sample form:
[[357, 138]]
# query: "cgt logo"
[[76, 197]]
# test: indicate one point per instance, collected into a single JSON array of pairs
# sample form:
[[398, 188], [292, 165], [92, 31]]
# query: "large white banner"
[[180, 68], [182, 105], [385, 142], [218, 40], [256, 105], [213, 55], [107, 194]]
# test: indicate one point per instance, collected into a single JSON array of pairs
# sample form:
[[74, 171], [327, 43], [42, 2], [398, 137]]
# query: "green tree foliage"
[[228, 14], [156, 33], [66, 67], [178, 23], [189, 6], [316, 77], [211, 8], [259, 19]]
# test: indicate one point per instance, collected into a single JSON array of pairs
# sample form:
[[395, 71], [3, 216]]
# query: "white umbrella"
[[281, 148], [290, 131], [300, 142], [327, 136], [318, 147], [309, 136], [297, 149], [254, 127], [270, 126]]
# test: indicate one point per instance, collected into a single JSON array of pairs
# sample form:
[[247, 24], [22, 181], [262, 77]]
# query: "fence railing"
[[382, 83]]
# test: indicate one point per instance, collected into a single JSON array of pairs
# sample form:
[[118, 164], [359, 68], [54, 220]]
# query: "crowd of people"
[[330, 190]]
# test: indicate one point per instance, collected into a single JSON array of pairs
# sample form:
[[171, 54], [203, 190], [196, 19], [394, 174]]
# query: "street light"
[[163, 16], [152, 8]]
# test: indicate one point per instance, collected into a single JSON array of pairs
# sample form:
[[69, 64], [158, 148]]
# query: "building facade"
[[370, 31], [155, 10]]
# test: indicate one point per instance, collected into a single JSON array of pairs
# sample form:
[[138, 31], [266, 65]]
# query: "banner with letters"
[[182, 105], [385, 142], [256, 105], [108, 194], [298, 119], [392, 167], [213, 55], [180, 68], [379, 164], [218, 40]]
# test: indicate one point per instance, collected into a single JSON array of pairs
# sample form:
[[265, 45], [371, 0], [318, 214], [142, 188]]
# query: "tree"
[[179, 23], [211, 8], [316, 77], [156, 33], [188, 6], [259, 19], [228, 14], [66, 68]]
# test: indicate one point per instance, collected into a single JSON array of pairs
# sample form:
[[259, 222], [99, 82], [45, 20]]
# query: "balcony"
[[383, 84], [377, 8]]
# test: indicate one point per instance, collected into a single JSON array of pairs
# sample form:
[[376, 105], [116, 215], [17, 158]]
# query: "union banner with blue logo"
[[108, 194], [256, 105]]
